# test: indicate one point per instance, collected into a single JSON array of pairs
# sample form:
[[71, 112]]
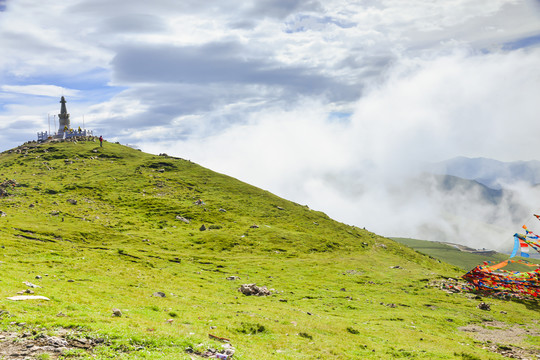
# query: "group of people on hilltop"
[[66, 129], [79, 130]]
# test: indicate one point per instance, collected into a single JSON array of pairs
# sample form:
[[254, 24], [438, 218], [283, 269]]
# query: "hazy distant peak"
[[492, 173]]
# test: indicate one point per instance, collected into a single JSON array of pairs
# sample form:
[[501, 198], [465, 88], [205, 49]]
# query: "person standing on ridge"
[[101, 141]]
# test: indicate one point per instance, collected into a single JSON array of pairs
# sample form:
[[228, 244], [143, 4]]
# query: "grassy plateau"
[[110, 228], [462, 259]]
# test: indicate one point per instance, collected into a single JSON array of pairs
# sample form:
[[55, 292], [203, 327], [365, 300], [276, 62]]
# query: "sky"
[[331, 104]]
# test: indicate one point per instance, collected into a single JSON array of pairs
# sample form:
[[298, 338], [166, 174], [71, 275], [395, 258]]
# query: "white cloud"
[[41, 90]]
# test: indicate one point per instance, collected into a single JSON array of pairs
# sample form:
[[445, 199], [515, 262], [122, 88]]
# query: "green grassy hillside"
[[114, 228]]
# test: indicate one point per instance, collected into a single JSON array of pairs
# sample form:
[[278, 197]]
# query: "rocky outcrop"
[[252, 289]]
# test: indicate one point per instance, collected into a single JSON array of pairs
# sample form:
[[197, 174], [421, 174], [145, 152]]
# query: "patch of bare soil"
[[30, 345], [505, 339]]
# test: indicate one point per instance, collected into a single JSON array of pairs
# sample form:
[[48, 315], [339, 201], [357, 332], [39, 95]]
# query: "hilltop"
[[142, 257]]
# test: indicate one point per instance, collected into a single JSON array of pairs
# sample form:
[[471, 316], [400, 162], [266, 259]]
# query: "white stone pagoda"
[[64, 127]]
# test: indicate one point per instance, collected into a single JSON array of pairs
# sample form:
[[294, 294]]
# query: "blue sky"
[[523, 42], [288, 95]]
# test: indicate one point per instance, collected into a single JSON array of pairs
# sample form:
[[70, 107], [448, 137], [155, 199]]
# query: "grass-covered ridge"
[[104, 228], [462, 259]]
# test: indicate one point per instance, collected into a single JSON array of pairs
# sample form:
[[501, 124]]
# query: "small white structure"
[[44, 135], [64, 127]]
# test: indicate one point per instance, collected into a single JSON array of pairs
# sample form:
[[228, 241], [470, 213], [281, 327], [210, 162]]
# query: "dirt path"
[[505, 339]]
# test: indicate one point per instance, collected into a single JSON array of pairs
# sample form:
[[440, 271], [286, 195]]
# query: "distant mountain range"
[[491, 173], [477, 202]]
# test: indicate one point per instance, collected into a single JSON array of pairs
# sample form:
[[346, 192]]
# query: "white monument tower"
[[63, 118], [64, 127]]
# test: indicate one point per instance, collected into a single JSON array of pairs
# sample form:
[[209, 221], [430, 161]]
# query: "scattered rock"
[[202, 228], [514, 352], [353, 272], [222, 210], [484, 306], [116, 312], [56, 341], [29, 284], [161, 170], [254, 226], [252, 289], [501, 337], [72, 201], [181, 218], [280, 208], [33, 345], [2, 214], [233, 278], [396, 267], [228, 349], [27, 297], [159, 294]]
